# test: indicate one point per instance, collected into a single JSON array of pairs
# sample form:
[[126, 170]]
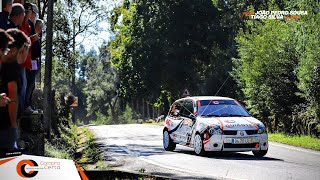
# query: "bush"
[[101, 119], [127, 116]]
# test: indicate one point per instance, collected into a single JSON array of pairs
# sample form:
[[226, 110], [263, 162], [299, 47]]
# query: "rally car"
[[211, 123]]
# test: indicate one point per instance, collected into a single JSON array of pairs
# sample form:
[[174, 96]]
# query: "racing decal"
[[169, 122], [221, 124], [215, 102], [255, 125], [237, 103], [229, 121], [206, 141], [238, 125], [174, 129], [199, 103]]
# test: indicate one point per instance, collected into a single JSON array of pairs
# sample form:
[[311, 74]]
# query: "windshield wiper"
[[210, 115], [232, 115]]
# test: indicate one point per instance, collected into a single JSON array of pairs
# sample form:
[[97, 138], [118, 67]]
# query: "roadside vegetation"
[[301, 141], [78, 144]]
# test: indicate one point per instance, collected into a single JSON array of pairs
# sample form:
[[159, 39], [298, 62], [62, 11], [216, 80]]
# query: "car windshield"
[[221, 108]]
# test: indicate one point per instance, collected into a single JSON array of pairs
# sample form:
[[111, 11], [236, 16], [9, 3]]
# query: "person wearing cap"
[[35, 56], [10, 84], [25, 27], [17, 15], [4, 14]]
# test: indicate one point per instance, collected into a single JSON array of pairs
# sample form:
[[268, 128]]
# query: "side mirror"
[[192, 116]]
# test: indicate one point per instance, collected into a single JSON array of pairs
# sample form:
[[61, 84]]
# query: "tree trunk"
[[153, 112], [148, 111], [137, 106], [113, 110], [143, 109], [73, 71], [47, 102]]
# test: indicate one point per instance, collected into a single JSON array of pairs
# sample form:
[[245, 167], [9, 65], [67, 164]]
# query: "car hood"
[[232, 123]]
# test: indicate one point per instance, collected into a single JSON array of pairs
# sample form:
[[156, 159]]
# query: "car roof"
[[196, 98]]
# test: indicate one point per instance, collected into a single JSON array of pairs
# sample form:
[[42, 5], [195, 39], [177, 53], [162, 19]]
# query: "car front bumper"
[[236, 143]]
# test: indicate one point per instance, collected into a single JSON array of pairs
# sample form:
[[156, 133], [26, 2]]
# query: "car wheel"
[[198, 145], [260, 153], [168, 143]]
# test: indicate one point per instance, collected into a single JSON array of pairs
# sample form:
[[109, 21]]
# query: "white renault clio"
[[211, 123]]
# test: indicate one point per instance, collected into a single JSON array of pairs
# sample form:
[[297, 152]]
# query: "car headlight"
[[215, 130], [262, 129]]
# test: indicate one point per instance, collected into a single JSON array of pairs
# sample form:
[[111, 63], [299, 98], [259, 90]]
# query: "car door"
[[187, 121], [175, 120]]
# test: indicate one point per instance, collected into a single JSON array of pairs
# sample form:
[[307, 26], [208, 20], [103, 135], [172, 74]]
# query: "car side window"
[[187, 108], [176, 109]]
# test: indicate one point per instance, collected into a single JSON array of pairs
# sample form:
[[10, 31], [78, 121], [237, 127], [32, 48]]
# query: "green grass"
[[76, 143], [91, 156], [52, 151], [301, 141]]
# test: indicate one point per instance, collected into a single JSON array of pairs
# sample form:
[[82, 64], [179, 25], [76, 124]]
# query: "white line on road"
[[295, 148]]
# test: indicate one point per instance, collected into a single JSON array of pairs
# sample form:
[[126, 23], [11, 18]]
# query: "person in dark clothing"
[[4, 15], [17, 15], [31, 74], [5, 40], [10, 84]]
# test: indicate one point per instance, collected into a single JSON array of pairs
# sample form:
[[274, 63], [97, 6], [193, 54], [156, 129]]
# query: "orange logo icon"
[[22, 171]]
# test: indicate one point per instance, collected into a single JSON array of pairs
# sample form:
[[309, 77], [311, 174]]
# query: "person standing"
[[31, 74], [4, 14], [17, 15], [5, 40], [10, 84], [27, 65]]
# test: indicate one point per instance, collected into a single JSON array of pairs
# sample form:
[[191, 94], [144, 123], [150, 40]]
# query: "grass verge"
[[301, 141], [89, 155], [76, 143]]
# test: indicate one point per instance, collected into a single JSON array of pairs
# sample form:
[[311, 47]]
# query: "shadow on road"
[[149, 150], [231, 156]]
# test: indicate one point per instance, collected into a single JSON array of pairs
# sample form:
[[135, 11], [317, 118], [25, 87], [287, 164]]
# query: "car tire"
[[198, 145], [260, 153], [168, 143]]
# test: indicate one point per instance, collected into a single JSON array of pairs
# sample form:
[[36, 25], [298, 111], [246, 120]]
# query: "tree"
[[162, 46], [101, 84], [48, 72], [308, 45], [274, 56]]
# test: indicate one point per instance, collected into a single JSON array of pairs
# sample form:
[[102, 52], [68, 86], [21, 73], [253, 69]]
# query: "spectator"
[[17, 15], [10, 84], [5, 40], [35, 12], [4, 15], [31, 74], [25, 27]]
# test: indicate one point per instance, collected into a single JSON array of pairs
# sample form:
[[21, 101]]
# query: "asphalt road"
[[133, 146]]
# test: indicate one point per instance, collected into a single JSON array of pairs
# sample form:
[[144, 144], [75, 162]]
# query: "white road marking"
[[295, 148]]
